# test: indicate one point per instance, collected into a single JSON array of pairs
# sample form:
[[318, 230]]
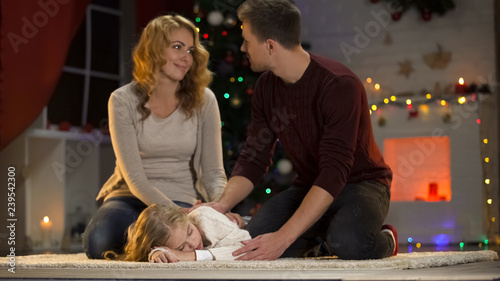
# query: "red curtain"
[[35, 38]]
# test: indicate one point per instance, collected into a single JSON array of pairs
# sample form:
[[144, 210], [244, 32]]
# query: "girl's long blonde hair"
[[152, 228], [148, 59]]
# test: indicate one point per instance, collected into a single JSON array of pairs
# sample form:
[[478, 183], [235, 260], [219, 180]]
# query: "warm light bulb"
[[443, 102], [462, 100], [198, 29], [368, 80], [408, 101], [487, 181], [487, 159], [386, 100], [493, 219], [485, 141], [371, 112], [428, 96], [461, 81], [489, 201], [232, 79], [424, 108], [46, 219], [419, 245], [374, 107], [393, 98], [377, 86]]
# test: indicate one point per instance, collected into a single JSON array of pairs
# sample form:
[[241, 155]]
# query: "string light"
[[428, 96], [393, 98], [386, 100], [377, 86], [368, 80], [226, 95], [485, 141], [487, 159], [489, 201], [197, 19], [408, 101], [487, 181], [232, 79], [462, 100], [443, 102], [374, 107]]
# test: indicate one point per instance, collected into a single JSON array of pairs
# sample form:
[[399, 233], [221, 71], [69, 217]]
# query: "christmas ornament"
[[284, 166], [88, 128], [230, 21], [426, 14], [64, 126], [438, 60], [382, 121], [215, 18], [447, 118], [412, 113], [405, 68]]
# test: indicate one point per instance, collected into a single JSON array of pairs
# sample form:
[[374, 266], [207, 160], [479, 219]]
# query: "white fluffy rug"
[[401, 261]]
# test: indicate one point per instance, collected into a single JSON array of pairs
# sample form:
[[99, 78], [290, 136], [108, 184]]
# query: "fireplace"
[[437, 195]]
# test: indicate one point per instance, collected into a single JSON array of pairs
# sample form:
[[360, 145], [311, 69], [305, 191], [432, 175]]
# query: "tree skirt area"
[[414, 260]]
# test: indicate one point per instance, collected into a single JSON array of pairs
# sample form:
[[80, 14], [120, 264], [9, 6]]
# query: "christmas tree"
[[233, 83]]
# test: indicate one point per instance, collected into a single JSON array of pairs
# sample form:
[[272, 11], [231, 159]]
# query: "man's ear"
[[271, 46]]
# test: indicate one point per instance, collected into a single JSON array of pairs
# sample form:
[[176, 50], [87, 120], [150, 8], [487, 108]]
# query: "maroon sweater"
[[323, 123]]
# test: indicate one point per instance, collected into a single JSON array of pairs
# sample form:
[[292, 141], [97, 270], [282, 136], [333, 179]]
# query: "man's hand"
[[268, 246], [219, 207], [236, 218]]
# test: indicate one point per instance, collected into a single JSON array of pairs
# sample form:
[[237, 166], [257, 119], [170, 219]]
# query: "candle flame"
[[46, 219], [461, 81]]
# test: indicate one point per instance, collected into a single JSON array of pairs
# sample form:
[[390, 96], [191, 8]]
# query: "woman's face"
[[179, 55], [185, 237]]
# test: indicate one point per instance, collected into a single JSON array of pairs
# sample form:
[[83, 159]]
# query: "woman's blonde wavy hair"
[[152, 228], [148, 59]]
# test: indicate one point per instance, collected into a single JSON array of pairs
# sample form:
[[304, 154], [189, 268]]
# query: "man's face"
[[256, 51]]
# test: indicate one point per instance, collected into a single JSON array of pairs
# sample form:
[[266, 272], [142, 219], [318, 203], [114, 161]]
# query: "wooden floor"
[[471, 271]]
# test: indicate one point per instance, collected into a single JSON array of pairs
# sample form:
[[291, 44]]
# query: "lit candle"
[[461, 87], [46, 226]]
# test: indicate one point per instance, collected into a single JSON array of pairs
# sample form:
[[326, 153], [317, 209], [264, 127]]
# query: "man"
[[317, 109]]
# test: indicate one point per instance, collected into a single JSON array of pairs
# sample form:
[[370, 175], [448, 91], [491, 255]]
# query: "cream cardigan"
[[129, 178]]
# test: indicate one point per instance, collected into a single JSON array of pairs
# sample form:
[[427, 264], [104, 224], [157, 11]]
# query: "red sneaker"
[[394, 234]]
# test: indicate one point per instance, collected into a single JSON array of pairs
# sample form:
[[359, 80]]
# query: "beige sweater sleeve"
[[224, 237], [212, 175]]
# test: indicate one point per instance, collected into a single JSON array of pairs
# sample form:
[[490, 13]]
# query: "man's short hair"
[[273, 19]]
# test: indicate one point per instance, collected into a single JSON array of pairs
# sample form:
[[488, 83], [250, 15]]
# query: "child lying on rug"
[[164, 234]]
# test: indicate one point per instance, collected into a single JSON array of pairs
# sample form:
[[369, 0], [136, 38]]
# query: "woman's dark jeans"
[[108, 228], [349, 229]]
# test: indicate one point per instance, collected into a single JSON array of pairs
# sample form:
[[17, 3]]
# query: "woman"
[[166, 133]]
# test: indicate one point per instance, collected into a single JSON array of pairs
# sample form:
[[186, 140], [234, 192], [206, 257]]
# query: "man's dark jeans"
[[349, 229]]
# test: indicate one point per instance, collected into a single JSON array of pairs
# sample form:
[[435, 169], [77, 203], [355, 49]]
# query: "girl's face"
[[179, 55], [186, 238]]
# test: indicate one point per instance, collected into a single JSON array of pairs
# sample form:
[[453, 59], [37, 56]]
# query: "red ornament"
[[413, 113], [426, 14], [396, 16], [88, 128], [64, 126]]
